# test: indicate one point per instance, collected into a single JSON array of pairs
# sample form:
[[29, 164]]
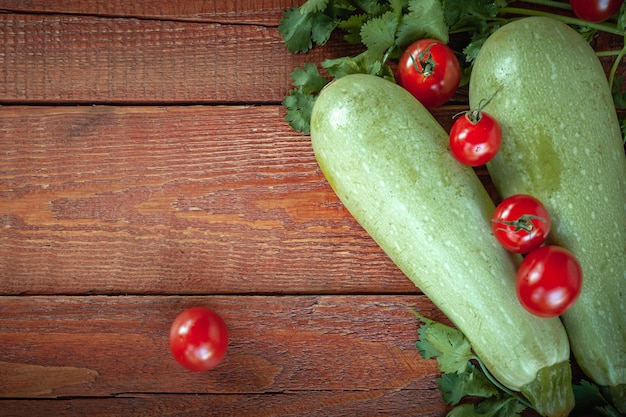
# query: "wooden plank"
[[345, 350], [173, 200], [257, 12], [374, 403], [84, 59], [156, 200]]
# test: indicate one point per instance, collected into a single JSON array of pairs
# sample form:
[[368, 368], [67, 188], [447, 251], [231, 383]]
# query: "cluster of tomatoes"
[[430, 71], [549, 279]]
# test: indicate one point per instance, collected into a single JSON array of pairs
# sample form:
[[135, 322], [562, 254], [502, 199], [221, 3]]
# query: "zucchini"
[[387, 159], [562, 144]]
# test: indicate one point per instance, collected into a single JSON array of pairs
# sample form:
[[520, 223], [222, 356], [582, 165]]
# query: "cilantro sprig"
[[384, 28], [464, 377], [463, 374]]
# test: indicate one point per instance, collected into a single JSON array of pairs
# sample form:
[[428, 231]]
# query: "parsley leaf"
[[309, 79], [452, 350], [299, 29], [463, 14], [471, 382], [299, 103], [461, 378], [299, 108], [425, 19], [378, 34], [352, 27], [364, 63], [590, 398], [312, 6], [500, 407]]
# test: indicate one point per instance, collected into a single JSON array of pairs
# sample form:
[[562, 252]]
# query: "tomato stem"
[[474, 115], [427, 63], [523, 223]]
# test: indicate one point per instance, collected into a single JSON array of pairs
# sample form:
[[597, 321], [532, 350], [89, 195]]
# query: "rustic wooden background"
[[145, 167]]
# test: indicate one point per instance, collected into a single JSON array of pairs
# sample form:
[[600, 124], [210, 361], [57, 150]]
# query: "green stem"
[[614, 52], [604, 27], [550, 3], [502, 387], [615, 65]]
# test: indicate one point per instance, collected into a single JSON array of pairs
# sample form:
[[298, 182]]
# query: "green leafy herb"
[[386, 28], [461, 378], [589, 398], [300, 28]]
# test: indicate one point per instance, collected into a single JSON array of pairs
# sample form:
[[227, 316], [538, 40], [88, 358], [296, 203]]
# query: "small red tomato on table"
[[198, 339]]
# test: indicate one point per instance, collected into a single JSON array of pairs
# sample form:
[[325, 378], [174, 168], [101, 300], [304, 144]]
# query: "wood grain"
[[257, 12], [86, 59], [371, 403], [345, 351], [147, 200]]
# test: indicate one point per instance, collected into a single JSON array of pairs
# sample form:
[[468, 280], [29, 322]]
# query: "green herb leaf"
[[299, 108], [500, 407], [299, 29], [352, 27], [425, 19], [452, 350], [471, 382], [309, 79], [312, 6], [465, 14], [364, 63], [379, 34]]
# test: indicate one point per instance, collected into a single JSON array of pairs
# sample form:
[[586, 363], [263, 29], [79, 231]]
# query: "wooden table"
[[145, 167]]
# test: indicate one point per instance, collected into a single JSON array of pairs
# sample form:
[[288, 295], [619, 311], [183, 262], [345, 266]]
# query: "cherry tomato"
[[198, 339], [595, 10], [475, 138], [521, 223], [549, 281], [430, 71]]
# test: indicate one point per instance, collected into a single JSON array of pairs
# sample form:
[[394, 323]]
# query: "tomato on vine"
[[595, 10], [521, 223], [430, 71], [549, 281], [198, 339], [476, 137]]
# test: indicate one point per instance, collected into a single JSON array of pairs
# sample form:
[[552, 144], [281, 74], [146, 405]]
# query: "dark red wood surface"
[[145, 167]]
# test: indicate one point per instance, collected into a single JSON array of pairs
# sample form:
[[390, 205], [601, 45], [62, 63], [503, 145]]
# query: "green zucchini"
[[562, 143], [387, 159]]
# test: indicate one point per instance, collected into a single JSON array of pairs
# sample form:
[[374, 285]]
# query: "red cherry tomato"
[[198, 339], [475, 138], [430, 71], [549, 281], [521, 223], [595, 10]]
